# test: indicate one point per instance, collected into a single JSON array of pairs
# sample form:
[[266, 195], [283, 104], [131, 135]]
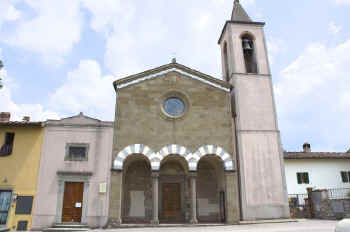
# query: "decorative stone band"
[[156, 158], [120, 86]]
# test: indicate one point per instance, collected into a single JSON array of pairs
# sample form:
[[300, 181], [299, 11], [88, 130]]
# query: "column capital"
[[230, 173], [155, 174], [113, 170], [192, 174]]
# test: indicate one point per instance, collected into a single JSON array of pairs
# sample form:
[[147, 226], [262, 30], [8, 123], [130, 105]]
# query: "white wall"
[[323, 174]]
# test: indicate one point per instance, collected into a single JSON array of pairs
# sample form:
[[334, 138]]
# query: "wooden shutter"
[[306, 178], [299, 178], [344, 177]]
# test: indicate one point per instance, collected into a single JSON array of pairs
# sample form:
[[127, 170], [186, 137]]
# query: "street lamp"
[[1, 66]]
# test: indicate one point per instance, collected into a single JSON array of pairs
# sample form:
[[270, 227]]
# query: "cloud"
[[85, 90], [18, 111], [134, 33], [51, 33], [8, 12], [275, 47], [248, 2], [333, 28], [313, 97], [343, 2]]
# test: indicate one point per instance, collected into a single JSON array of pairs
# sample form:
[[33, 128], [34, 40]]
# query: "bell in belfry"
[[246, 45]]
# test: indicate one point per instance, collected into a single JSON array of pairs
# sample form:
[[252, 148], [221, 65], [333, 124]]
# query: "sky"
[[61, 57]]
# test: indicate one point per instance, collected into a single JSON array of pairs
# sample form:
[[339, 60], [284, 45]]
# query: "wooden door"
[[171, 201], [72, 202]]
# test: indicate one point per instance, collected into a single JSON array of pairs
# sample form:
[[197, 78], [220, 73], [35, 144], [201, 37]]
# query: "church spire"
[[239, 14]]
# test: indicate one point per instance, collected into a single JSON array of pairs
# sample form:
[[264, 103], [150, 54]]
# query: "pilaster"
[[115, 205], [232, 198]]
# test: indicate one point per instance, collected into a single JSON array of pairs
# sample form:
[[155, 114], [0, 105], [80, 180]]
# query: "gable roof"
[[316, 155], [172, 67], [78, 120]]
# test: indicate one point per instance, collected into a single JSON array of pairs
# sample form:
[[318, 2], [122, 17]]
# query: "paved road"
[[302, 226]]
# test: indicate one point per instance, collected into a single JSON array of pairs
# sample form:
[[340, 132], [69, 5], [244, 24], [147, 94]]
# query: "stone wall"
[[325, 208], [140, 120]]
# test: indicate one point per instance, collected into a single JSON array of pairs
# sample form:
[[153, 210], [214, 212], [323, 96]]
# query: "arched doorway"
[[210, 189], [174, 187], [137, 190]]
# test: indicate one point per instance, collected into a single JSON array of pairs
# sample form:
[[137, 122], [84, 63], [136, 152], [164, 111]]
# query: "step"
[[65, 229], [70, 225]]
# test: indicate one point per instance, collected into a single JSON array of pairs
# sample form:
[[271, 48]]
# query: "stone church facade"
[[191, 148]]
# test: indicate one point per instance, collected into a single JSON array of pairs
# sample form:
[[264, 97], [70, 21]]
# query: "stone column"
[[193, 176], [232, 198], [155, 178], [115, 202]]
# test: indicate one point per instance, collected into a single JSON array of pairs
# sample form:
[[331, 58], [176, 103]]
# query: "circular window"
[[174, 106]]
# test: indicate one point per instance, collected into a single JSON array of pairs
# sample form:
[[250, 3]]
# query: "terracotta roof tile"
[[316, 155], [21, 123]]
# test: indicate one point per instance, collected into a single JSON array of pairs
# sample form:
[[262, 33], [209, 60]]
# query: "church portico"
[[156, 158], [172, 185]]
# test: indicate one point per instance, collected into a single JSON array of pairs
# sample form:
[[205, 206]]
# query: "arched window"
[[227, 72], [249, 54]]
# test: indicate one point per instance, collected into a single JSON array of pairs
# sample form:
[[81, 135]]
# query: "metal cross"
[[173, 60]]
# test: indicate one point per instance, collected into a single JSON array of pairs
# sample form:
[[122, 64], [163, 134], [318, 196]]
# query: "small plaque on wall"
[[24, 204], [103, 187], [78, 205]]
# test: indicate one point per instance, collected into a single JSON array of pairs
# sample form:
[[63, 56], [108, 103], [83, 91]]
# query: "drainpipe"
[[234, 117]]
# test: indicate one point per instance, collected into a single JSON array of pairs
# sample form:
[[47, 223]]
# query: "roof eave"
[[169, 66], [238, 22], [22, 124]]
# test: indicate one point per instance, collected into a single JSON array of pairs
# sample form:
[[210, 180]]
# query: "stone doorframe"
[[64, 177]]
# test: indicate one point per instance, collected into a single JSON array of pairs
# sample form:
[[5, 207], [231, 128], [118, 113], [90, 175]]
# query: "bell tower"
[[263, 190]]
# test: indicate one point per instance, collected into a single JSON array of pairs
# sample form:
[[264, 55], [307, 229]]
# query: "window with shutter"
[[345, 176], [6, 149], [303, 178]]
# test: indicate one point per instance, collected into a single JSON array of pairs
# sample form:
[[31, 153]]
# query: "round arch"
[[169, 150], [247, 34], [130, 150], [136, 190], [214, 150]]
